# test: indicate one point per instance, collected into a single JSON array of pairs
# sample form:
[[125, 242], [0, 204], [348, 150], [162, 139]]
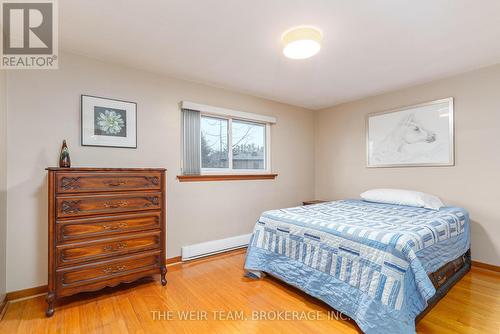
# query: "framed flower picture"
[[108, 122]]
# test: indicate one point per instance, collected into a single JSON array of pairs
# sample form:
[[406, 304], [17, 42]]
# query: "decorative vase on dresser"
[[106, 227]]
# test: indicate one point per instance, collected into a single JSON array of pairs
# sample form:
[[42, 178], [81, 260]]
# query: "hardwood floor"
[[217, 285]]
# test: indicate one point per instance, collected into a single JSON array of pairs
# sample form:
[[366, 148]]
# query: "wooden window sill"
[[225, 177]]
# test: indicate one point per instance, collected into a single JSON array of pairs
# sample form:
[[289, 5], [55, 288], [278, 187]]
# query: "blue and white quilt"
[[367, 260]]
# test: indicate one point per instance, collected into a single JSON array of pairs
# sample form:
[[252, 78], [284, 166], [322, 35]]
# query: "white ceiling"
[[370, 46]]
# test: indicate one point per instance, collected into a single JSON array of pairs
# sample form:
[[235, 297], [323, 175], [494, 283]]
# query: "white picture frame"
[[108, 122], [420, 135]]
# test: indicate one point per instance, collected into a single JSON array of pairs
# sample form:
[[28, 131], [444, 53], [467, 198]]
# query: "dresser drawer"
[[105, 271], [69, 230], [96, 250], [98, 182], [71, 206]]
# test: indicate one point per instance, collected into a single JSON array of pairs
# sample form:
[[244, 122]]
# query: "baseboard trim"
[[174, 260], [38, 290], [486, 266], [25, 293], [3, 306]]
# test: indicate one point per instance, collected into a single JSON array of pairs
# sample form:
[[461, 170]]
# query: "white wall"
[[473, 183], [3, 183], [44, 109]]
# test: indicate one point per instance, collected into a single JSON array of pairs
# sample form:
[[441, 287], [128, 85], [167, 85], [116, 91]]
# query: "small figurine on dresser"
[[64, 160]]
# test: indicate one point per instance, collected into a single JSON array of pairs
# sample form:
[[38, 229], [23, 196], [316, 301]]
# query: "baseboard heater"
[[213, 247]]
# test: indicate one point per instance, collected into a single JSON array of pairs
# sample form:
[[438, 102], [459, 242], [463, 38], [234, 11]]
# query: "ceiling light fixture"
[[301, 42]]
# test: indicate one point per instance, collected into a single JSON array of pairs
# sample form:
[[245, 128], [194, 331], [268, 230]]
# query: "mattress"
[[367, 260]]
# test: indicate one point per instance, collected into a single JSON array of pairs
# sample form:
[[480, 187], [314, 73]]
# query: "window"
[[248, 145], [246, 140], [224, 144], [214, 139]]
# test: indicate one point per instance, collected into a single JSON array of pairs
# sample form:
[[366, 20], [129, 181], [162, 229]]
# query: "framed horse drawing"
[[413, 136]]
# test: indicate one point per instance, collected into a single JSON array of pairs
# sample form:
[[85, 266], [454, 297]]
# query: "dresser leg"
[[163, 274], [50, 299]]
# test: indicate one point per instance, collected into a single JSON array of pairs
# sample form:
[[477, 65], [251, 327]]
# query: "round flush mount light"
[[301, 42]]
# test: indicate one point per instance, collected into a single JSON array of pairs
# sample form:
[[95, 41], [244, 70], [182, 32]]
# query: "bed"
[[382, 265]]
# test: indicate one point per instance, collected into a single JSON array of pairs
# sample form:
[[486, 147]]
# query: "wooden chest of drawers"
[[106, 226]]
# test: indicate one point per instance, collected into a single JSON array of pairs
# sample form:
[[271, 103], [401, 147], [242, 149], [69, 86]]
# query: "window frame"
[[230, 170]]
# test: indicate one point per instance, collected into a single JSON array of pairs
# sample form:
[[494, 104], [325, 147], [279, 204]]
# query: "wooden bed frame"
[[445, 278]]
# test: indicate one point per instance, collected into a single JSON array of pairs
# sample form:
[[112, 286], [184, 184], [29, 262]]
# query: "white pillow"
[[403, 197]]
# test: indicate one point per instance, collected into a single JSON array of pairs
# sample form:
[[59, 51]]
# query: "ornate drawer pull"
[[116, 183], [115, 227], [117, 269], [108, 248], [111, 248], [121, 245], [116, 205]]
